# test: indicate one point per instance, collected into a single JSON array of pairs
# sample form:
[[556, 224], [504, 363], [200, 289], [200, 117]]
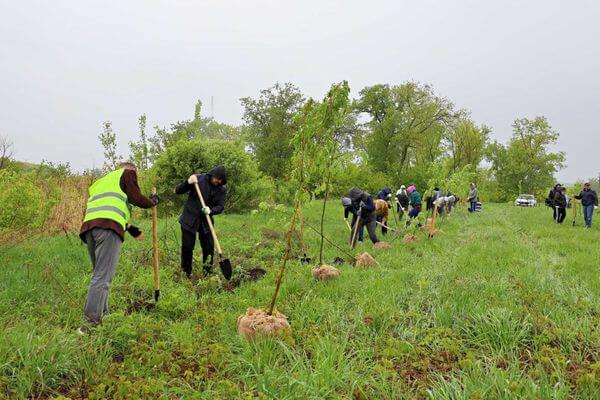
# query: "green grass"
[[504, 304]]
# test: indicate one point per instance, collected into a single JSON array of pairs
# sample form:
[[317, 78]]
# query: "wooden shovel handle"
[[210, 224], [356, 224], [155, 242]]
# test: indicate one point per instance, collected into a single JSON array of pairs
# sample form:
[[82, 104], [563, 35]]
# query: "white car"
[[525, 200]]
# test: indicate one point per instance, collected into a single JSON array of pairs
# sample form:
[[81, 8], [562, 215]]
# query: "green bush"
[[246, 186], [22, 201]]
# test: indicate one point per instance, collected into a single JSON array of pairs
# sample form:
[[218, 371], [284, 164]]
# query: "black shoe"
[[207, 268]]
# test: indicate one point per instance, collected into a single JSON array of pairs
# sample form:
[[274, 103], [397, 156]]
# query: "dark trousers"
[[370, 222], [561, 214], [554, 213], [473, 206], [188, 242]]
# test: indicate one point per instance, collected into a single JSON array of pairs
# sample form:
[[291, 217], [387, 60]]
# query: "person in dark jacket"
[[560, 202], [589, 202], [402, 201], [193, 217], [550, 198], [385, 194], [363, 201], [349, 209]]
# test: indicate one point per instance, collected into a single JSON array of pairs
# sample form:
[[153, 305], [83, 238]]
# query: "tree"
[[465, 144], [108, 139], [270, 120], [405, 126], [526, 164], [6, 151], [139, 150], [198, 128]]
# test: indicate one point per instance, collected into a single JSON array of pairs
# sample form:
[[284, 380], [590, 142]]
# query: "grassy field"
[[503, 305]]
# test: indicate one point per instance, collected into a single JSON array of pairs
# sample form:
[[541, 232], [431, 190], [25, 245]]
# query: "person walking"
[[103, 231], [402, 201], [472, 198], [363, 201], [560, 202], [415, 203], [589, 202], [193, 217]]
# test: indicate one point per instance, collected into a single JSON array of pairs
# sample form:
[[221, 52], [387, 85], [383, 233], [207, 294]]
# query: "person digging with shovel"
[[366, 216], [193, 219], [103, 230]]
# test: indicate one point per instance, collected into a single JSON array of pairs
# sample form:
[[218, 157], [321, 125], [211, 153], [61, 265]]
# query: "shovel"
[[155, 249], [356, 224], [224, 263]]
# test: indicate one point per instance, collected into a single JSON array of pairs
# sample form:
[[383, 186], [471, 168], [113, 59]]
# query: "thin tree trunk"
[[285, 259], [323, 215]]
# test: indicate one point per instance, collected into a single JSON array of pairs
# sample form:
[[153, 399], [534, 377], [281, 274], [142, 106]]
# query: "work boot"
[[207, 268]]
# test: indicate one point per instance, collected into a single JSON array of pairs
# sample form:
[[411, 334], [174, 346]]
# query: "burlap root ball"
[[382, 245], [410, 238], [257, 322], [325, 272], [365, 260]]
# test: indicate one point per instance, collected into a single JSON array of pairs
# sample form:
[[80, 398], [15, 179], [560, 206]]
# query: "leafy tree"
[[198, 128], [405, 126], [270, 120], [139, 154], [526, 164], [246, 186], [465, 144], [108, 139]]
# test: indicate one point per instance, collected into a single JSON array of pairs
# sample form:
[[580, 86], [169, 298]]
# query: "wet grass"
[[503, 304]]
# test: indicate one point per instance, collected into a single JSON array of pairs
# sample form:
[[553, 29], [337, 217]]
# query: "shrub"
[[22, 201], [246, 186]]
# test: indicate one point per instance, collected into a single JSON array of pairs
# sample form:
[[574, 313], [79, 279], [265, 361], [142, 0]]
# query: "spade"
[[224, 263]]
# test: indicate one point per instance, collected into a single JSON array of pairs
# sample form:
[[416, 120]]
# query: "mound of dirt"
[[255, 274], [270, 234], [410, 238], [365, 260], [139, 305], [325, 272], [257, 322], [382, 245]]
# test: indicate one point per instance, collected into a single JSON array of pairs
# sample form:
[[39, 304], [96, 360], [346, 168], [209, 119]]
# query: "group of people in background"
[[559, 201], [369, 212]]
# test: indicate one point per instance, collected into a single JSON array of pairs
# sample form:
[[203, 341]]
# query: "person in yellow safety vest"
[[103, 230]]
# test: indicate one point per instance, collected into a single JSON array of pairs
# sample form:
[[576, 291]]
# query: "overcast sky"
[[66, 66]]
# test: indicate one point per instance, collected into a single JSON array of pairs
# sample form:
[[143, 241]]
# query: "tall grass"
[[504, 304]]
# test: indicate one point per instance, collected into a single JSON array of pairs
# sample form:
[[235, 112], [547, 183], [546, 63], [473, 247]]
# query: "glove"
[[155, 198], [389, 196], [206, 210], [192, 179], [134, 231]]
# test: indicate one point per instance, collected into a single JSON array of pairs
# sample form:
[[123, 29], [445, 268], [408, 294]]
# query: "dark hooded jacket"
[[384, 194], [362, 201], [191, 218]]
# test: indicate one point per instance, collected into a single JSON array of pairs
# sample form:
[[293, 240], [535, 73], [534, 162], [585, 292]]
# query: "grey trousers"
[[104, 247]]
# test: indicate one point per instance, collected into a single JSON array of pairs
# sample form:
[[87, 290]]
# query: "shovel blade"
[[156, 294], [226, 269]]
